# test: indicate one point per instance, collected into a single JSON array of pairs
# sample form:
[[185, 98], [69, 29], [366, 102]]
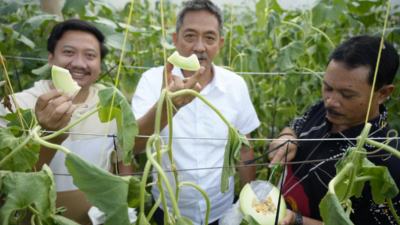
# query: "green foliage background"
[[295, 44]]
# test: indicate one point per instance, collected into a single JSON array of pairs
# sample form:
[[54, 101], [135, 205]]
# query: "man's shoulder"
[[153, 71]]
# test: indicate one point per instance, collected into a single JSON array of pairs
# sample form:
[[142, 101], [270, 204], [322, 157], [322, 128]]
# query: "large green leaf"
[[14, 34], [130, 80], [332, 211], [113, 38], [36, 22], [232, 153], [77, 5], [382, 186], [326, 10], [18, 189], [108, 192], [11, 7], [134, 192], [287, 54], [22, 161], [126, 122]]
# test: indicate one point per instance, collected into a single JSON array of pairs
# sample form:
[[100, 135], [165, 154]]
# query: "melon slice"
[[263, 212], [190, 63], [62, 80]]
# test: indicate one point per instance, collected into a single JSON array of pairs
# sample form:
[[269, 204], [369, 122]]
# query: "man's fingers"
[[178, 83], [278, 157], [67, 116], [44, 99], [194, 78], [59, 112], [170, 67]]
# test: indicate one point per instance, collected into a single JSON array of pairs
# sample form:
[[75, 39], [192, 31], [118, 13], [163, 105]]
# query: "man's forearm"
[[248, 173], [147, 125], [45, 156]]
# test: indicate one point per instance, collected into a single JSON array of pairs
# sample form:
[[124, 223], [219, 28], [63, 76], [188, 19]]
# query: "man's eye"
[[91, 55], [347, 96], [327, 89], [67, 51]]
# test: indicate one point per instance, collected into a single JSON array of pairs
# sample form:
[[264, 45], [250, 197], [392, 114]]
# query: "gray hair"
[[197, 5]]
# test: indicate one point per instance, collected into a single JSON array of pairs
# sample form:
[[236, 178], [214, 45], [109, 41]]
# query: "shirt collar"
[[217, 80]]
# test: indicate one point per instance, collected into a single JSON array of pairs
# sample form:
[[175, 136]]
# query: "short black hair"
[[362, 50], [76, 25], [197, 5]]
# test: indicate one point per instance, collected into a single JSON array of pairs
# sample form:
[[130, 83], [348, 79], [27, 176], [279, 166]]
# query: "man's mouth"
[[333, 112], [77, 74]]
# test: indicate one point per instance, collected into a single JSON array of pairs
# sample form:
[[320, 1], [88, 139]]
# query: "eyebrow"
[[342, 89], [207, 32]]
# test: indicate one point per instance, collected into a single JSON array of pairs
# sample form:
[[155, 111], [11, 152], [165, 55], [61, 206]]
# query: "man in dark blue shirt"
[[341, 114]]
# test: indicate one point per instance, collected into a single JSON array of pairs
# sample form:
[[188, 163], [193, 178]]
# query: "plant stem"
[[323, 34], [37, 214], [157, 142], [14, 151], [292, 24], [383, 146], [182, 92], [169, 147], [313, 72], [144, 181], [70, 125], [365, 178], [155, 206], [390, 203], [340, 176], [163, 177], [45, 143], [203, 193]]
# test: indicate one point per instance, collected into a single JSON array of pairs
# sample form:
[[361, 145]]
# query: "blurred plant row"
[[281, 54]]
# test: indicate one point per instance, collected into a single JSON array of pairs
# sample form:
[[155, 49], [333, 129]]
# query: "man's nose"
[[79, 61], [199, 45], [332, 101]]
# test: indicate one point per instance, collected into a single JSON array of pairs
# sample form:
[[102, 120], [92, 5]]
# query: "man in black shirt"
[[341, 114]]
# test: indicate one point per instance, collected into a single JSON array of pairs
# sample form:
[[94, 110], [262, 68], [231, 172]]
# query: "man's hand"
[[290, 218], [53, 112], [280, 154], [176, 83]]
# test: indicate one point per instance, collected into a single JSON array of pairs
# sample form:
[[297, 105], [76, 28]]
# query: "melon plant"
[[185, 63], [62, 80], [263, 212]]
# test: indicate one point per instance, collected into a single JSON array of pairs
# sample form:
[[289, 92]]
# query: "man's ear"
[[175, 38], [50, 58], [384, 92], [221, 43]]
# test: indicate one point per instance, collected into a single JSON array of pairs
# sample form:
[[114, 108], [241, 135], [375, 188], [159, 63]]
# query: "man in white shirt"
[[198, 31]]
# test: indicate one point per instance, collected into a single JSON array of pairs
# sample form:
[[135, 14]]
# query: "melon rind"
[[62, 80], [246, 199], [190, 63]]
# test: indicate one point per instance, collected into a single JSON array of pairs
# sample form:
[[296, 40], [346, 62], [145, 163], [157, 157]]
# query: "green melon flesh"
[[62, 80], [247, 197], [191, 63]]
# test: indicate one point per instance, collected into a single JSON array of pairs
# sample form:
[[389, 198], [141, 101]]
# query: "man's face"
[[199, 34], [346, 95], [79, 52]]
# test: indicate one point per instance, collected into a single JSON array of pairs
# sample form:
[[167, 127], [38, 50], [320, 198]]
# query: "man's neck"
[[205, 78]]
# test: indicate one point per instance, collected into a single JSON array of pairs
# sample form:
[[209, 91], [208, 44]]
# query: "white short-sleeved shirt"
[[229, 94]]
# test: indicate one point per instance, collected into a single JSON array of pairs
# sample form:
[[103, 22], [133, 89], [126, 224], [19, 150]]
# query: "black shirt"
[[304, 191]]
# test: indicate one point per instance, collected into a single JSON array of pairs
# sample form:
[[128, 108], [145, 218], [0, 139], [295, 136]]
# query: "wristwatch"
[[299, 218]]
